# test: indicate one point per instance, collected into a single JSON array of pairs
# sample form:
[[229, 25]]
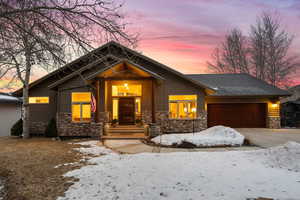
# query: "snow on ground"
[[286, 156], [214, 136], [94, 148], [232, 175]]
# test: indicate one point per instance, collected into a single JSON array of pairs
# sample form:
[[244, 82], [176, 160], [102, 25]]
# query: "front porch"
[[126, 132], [124, 97]]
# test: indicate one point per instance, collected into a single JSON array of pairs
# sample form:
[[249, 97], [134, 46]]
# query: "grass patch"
[[28, 167]]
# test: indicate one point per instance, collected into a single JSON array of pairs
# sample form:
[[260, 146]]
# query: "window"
[[38, 100], [115, 108], [138, 114], [81, 106], [127, 90], [182, 106]]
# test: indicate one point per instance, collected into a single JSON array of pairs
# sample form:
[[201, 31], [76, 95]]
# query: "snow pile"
[[214, 136], [94, 148], [286, 156], [187, 175]]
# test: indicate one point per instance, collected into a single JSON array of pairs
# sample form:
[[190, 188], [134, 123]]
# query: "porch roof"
[[138, 68]]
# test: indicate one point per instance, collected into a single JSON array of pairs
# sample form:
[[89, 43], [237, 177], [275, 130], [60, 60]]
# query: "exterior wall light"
[[274, 105]]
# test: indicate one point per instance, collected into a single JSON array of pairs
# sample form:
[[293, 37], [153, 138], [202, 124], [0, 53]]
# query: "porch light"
[[193, 109], [274, 105]]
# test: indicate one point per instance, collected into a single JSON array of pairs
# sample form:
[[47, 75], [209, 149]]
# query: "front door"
[[126, 110]]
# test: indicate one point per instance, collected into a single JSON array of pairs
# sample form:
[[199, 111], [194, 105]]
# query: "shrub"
[[51, 130], [17, 128]]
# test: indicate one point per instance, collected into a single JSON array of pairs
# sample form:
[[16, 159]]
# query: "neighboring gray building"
[[10, 112]]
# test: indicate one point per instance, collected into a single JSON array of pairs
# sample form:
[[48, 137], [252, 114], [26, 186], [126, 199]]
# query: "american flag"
[[93, 104]]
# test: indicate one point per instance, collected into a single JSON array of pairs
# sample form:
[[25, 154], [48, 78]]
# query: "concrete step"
[[126, 131]]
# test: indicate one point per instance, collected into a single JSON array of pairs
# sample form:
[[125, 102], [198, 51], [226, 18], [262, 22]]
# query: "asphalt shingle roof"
[[237, 85]]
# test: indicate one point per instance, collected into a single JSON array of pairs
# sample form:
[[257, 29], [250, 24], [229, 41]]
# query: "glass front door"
[[126, 111], [126, 103]]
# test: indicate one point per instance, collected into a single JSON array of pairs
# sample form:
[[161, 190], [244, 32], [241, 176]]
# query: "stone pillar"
[[147, 116], [273, 122]]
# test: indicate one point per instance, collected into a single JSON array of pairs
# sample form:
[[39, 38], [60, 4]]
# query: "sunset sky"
[[183, 33]]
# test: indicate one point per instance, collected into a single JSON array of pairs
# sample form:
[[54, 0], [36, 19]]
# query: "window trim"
[[80, 103], [48, 98], [182, 101]]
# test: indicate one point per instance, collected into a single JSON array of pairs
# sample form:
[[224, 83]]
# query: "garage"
[[237, 115]]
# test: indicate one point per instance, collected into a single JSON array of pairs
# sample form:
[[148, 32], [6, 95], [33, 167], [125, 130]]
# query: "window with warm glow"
[[115, 108], [127, 90], [38, 100], [81, 106], [138, 114], [182, 106]]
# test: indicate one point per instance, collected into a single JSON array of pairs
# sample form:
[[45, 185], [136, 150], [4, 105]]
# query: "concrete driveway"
[[264, 137]]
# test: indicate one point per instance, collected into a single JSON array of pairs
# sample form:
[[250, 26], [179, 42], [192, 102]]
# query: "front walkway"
[[264, 137], [137, 146]]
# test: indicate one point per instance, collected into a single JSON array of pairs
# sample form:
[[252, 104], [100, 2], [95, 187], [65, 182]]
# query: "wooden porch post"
[[97, 97], [153, 101]]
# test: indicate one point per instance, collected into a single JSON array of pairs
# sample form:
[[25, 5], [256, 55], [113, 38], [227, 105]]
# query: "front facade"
[[114, 87]]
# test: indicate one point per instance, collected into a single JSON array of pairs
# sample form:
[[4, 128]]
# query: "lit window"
[[127, 90], [115, 108], [138, 114], [81, 106], [38, 100], [182, 106]]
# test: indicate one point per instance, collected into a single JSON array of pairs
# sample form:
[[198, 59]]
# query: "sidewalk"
[[137, 146]]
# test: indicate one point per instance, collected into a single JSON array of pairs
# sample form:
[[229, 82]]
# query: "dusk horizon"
[[185, 35]]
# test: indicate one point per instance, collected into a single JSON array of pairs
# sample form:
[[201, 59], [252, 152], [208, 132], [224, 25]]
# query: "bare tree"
[[270, 46], [39, 33], [232, 56], [265, 55]]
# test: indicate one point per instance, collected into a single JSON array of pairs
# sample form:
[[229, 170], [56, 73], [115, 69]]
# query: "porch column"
[[97, 97], [153, 101]]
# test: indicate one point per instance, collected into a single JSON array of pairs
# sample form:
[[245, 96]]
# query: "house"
[[290, 112], [115, 83], [10, 113]]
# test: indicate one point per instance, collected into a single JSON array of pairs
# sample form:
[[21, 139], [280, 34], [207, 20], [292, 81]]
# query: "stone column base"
[[273, 122]]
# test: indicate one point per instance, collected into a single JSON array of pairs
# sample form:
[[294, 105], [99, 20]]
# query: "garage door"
[[237, 115]]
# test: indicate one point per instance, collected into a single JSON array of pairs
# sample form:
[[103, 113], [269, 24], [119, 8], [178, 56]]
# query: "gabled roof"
[[237, 85], [99, 53], [155, 75]]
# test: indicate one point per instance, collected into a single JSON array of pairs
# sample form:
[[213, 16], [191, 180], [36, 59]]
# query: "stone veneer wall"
[[66, 127], [181, 125], [37, 127], [147, 116], [273, 122]]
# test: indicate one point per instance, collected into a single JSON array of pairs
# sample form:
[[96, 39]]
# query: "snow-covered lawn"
[[233, 175], [214, 136], [93, 148]]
